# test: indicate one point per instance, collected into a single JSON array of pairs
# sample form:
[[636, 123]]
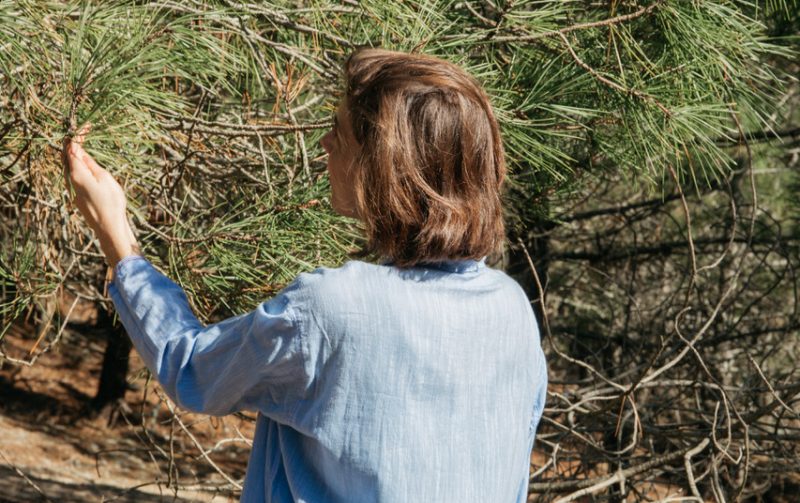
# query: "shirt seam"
[[304, 350]]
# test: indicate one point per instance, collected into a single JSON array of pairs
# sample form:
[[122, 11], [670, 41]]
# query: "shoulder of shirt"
[[324, 273], [312, 290], [325, 280]]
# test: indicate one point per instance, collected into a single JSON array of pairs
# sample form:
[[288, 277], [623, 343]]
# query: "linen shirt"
[[371, 383]]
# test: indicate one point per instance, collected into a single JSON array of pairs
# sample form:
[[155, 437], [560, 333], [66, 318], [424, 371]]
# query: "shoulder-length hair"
[[430, 166]]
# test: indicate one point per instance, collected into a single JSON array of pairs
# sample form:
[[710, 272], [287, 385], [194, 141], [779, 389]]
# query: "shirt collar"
[[457, 266]]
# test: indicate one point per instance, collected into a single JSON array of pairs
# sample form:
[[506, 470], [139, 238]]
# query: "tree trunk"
[[112, 384]]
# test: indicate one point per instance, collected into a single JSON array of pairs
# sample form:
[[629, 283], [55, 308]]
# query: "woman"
[[420, 378]]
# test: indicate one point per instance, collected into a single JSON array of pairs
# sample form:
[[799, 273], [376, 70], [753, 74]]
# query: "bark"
[[113, 383]]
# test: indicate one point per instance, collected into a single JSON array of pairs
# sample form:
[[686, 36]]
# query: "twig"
[[200, 447], [546, 324], [25, 477], [575, 27], [583, 26], [687, 215], [611, 83], [591, 486], [687, 463], [771, 389], [233, 130]]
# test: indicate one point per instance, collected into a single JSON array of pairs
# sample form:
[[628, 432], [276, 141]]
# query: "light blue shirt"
[[372, 383]]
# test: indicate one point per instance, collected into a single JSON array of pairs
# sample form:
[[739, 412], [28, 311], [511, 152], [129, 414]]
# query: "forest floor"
[[51, 449]]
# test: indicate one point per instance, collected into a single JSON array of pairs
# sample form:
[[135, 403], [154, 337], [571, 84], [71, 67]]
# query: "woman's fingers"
[[82, 132], [98, 196], [72, 152], [79, 170], [91, 164]]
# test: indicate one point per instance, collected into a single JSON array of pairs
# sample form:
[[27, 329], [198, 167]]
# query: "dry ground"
[[51, 449]]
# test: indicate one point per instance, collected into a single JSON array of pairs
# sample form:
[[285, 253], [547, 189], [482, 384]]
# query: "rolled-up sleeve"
[[253, 361]]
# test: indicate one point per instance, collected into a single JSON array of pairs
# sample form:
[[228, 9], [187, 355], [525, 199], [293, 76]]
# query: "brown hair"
[[429, 172]]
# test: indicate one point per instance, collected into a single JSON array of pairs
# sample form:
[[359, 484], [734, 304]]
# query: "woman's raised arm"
[[253, 361]]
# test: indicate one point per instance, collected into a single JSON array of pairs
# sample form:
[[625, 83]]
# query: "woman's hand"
[[100, 199]]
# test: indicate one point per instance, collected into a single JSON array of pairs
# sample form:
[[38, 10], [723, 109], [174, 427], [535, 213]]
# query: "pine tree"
[[210, 114]]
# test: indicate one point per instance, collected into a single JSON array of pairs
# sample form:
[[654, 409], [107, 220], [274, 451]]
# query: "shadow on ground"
[[15, 489], [72, 455]]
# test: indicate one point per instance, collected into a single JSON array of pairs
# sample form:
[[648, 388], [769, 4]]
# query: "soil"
[[54, 448]]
